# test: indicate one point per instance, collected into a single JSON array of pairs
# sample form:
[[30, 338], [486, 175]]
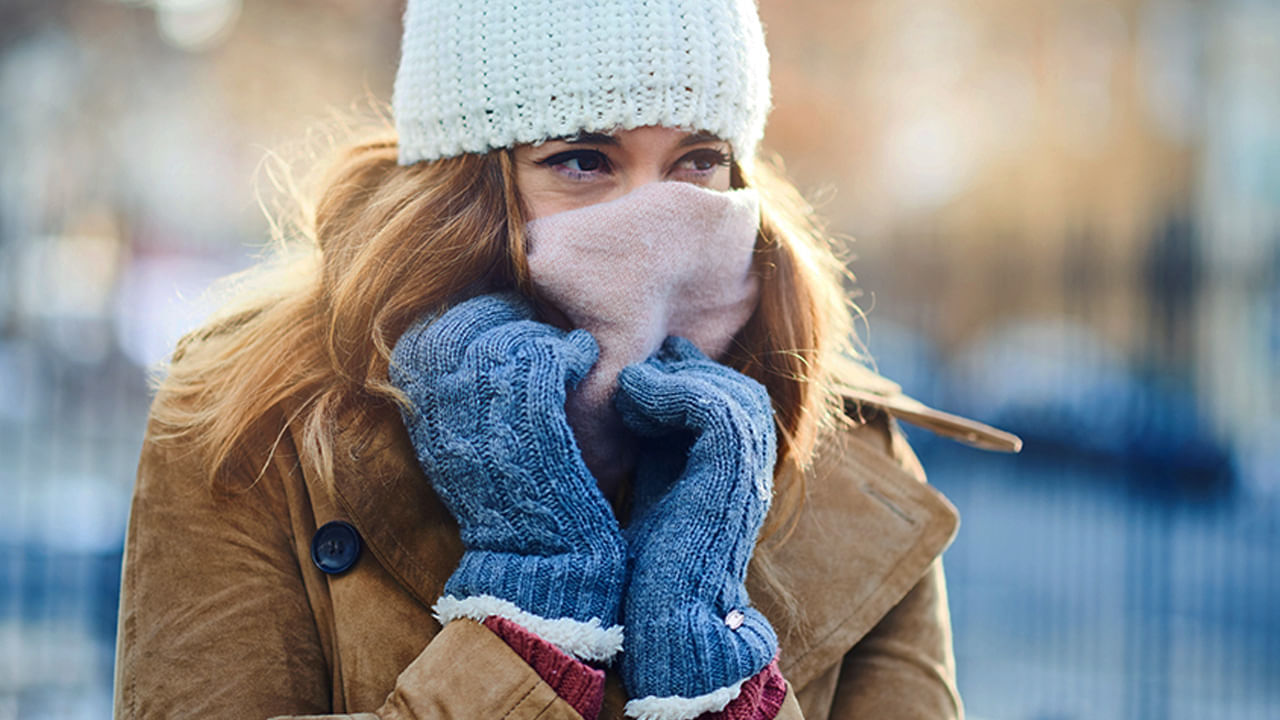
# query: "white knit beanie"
[[481, 74]]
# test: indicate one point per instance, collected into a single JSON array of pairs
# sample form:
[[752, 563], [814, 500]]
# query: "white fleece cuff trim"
[[583, 640], [676, 707]]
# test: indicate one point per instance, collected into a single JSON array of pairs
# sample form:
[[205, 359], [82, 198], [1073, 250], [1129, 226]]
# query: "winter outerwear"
[[692, 636], [488, 385], [224, 615]]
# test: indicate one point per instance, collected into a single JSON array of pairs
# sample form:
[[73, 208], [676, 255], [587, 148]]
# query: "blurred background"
[[1067, 223]]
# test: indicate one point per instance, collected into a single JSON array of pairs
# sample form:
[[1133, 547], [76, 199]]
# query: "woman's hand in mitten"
[[487, 385], [692, 637]]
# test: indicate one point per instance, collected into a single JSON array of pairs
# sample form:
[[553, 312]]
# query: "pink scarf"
[[669, 258]]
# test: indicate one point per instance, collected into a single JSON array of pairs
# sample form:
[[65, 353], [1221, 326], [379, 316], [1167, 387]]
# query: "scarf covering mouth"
[[669, 258]]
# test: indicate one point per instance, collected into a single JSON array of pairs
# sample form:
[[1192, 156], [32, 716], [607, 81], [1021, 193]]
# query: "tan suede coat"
[[223, 614]]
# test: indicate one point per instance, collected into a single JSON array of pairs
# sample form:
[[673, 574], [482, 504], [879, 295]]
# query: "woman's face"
[[590, 168]]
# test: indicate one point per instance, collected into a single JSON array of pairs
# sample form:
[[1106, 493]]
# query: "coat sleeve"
[[215, 621], [905, 667]]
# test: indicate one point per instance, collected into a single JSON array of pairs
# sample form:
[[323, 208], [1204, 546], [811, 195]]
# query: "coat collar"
[[867, 533]]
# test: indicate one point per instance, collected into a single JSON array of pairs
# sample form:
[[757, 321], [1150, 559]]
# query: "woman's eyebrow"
[[698, 138], [589, 138], [593, 138]]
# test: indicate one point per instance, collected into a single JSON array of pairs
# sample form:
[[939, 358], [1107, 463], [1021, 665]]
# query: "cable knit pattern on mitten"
[[488, 386]]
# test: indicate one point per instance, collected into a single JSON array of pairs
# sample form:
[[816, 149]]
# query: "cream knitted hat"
[[481, 74]]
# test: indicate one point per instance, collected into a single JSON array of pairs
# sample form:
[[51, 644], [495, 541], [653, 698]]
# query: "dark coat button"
[[335, 547]]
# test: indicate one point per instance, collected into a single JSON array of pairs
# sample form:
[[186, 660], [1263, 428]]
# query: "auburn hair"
[[309, 331]]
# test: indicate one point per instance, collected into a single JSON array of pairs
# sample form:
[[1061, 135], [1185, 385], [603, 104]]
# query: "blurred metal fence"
[[1085, 589]]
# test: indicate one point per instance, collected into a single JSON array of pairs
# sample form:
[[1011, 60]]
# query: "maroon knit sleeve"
[[577, 683], [760, 699]]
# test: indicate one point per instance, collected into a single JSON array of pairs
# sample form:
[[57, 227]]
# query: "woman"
[[562, 362]]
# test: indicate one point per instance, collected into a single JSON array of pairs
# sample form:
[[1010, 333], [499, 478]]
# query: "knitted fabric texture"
[[760, 698], [487, 385], [485, 74], [589, 640], [669, 258], [582, 686], [692, 637], [577, 683]]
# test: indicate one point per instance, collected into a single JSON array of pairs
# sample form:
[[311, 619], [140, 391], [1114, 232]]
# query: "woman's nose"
[[636, 178]]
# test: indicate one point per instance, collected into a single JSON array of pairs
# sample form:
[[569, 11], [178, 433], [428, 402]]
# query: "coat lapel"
[[865, 536], [402, 520]]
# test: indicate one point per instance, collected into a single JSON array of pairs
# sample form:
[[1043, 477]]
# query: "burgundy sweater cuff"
[[760, 699], [577, 683]]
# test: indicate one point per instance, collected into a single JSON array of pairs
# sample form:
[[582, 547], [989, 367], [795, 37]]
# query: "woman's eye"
[[578, 162], [705, 160]]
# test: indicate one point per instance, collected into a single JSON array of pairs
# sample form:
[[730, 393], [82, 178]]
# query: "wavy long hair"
[[374, 245]]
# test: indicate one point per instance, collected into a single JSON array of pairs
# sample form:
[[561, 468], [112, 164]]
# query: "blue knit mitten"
[[488, 384], [692, 637]]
